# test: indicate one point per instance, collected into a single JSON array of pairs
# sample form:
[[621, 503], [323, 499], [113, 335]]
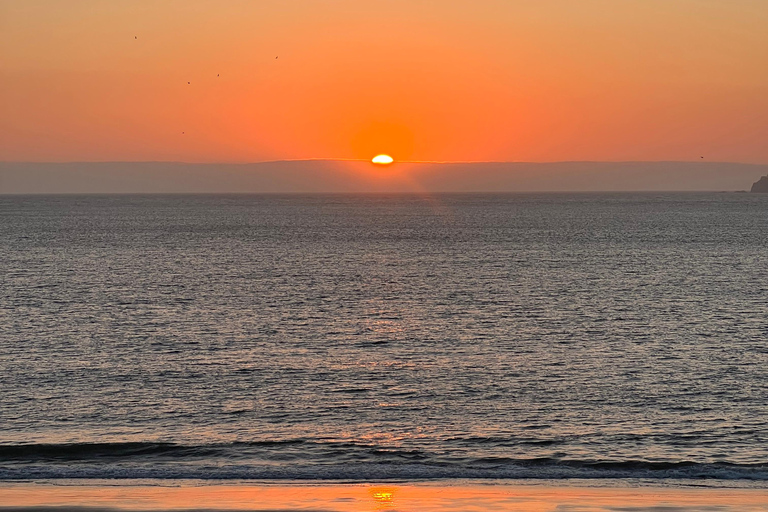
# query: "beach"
[[423, 497]]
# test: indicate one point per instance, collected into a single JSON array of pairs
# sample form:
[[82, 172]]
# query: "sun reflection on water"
[[384, 497]]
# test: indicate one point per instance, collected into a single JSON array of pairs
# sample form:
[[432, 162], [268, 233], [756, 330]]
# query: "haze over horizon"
[[334, 176]]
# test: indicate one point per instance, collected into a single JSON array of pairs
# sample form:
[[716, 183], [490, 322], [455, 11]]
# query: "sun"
[[382, 159]]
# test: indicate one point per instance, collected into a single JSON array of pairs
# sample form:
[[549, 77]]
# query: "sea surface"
[[385, 337]]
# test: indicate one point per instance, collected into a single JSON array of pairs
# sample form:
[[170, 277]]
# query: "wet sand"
[[425, 497]]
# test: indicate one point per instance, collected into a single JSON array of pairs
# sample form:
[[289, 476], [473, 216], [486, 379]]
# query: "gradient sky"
[[442, 80]]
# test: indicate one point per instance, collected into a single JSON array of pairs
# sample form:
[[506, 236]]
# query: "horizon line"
[[440, 162]]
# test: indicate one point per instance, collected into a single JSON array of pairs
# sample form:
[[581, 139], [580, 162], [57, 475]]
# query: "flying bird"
[[135, 37]]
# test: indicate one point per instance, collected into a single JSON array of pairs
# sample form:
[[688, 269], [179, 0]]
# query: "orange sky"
[[441, 80]]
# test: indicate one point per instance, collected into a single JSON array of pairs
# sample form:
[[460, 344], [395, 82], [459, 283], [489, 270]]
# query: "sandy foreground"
[[372, 497]]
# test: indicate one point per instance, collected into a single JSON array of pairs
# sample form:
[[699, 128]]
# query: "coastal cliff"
[[761, 185]]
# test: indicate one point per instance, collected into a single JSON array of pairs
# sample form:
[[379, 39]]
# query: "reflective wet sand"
[[371, 497]]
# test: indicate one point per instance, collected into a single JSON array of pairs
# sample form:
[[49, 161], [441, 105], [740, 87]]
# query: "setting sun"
[[382, 159]]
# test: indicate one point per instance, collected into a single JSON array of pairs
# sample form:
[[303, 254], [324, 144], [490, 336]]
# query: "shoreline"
[[348, 497]]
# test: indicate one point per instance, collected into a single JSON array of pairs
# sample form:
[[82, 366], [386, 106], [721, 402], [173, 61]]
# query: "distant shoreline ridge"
[[365, 160], [360, 176]]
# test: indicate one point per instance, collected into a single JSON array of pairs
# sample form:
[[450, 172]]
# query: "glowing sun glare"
[[382, 159]]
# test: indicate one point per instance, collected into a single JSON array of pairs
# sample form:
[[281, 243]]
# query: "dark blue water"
[[384, 337]]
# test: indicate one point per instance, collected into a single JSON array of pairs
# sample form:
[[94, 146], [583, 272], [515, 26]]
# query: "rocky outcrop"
[[761, 185]]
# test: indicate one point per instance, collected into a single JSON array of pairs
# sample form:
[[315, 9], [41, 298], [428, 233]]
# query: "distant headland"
[[760, 186]]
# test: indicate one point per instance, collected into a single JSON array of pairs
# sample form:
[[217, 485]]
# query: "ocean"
[[598, 337]]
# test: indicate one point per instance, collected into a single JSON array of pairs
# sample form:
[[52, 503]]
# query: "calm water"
[[377, 337]]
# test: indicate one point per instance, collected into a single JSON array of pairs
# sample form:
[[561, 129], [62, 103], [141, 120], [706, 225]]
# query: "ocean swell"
[[305, 460]]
